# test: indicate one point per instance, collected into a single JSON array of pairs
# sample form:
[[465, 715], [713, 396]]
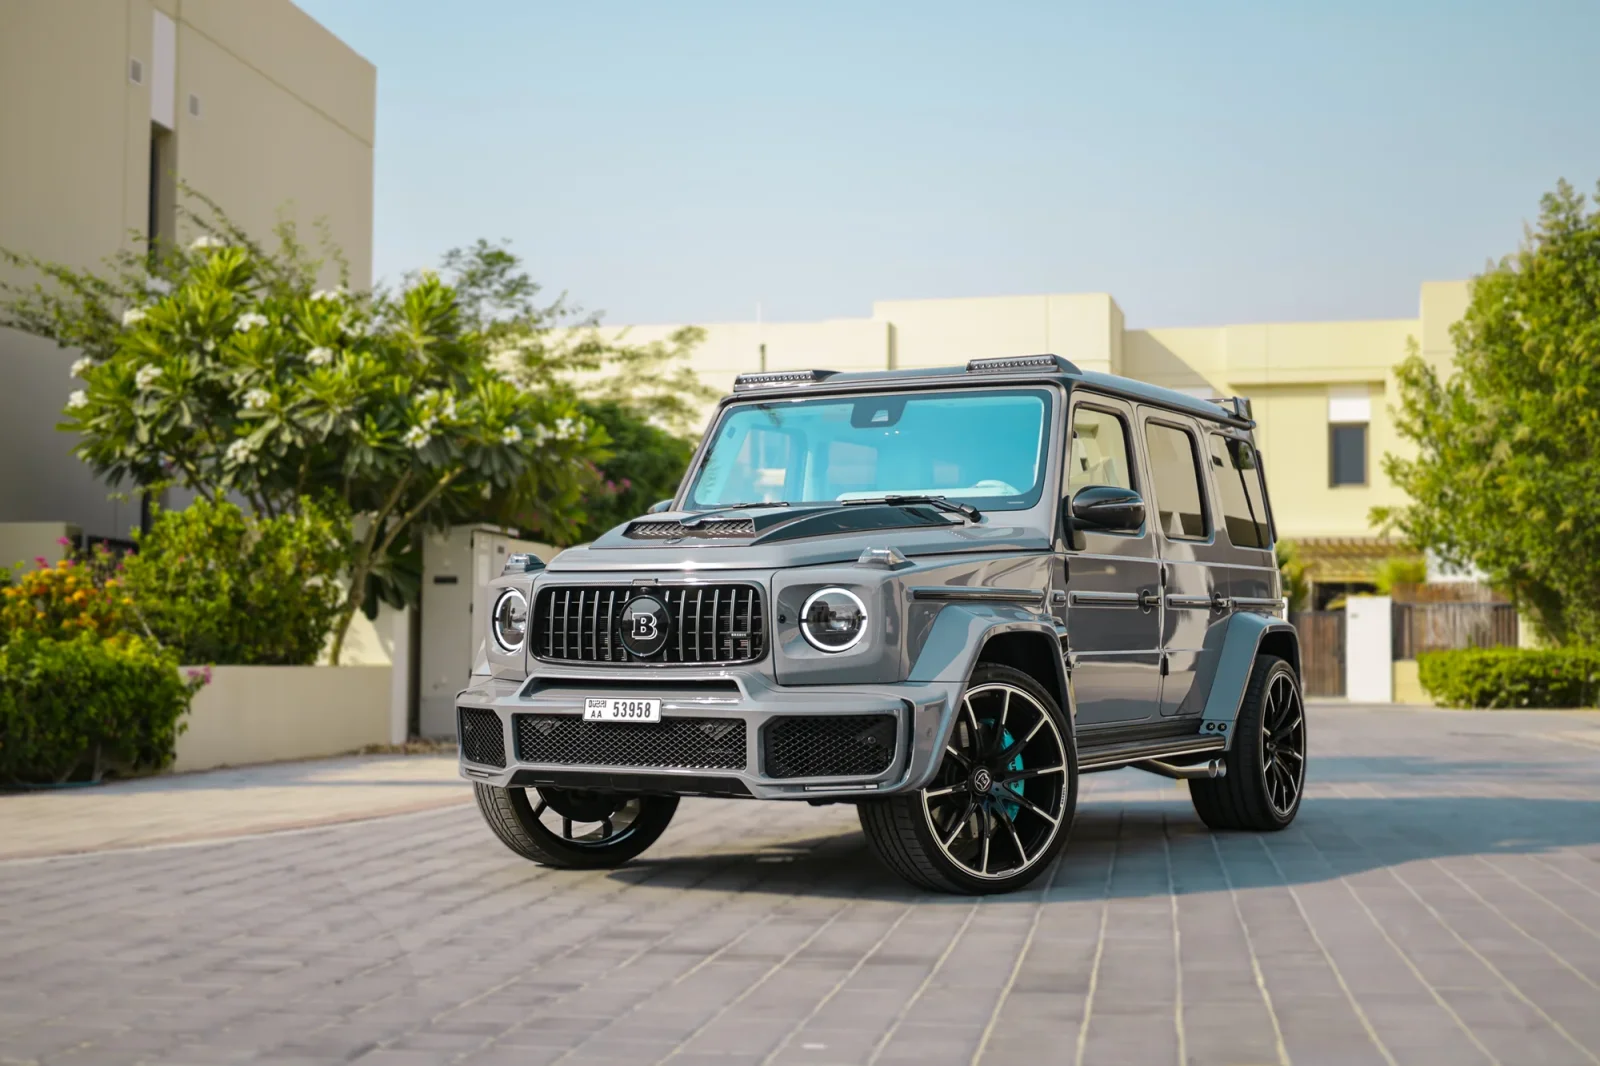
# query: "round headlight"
[[833, 620], [508, 622]]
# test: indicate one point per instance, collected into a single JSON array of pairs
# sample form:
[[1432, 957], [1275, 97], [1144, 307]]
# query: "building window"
[[1347, 454], [1175, 468]]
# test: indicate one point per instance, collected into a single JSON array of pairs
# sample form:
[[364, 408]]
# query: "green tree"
[[645, 397], [222, 367], [1507, 471]]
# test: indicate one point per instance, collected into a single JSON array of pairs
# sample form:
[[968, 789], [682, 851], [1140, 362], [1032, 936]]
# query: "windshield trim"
[[1052, 394]]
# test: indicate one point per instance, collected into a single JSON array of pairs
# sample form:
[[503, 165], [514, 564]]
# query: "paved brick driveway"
[[1437, 902]]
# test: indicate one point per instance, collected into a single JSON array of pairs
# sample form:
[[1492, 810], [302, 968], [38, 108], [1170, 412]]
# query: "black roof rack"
[[1051, 364], [779, 377]]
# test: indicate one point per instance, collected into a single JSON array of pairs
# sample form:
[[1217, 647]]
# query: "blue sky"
[[1204, 163]]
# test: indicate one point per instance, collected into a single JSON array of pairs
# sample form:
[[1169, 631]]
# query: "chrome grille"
[[709, 623], [672, 743], [671, 530]]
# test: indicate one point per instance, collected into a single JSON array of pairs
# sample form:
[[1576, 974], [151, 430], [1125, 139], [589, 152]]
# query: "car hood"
[[771, 537]]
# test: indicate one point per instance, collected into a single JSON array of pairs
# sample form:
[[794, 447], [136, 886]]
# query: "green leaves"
[[1507, 463]]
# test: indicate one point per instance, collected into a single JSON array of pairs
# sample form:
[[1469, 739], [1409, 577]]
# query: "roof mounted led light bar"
[[780, 377], [1237, 406], [1044, 364]]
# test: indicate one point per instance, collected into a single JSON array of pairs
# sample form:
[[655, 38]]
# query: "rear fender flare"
[[1248, 634]]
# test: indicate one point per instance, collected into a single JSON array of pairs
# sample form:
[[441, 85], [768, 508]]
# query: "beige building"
[[1321, 391], [105, 106]]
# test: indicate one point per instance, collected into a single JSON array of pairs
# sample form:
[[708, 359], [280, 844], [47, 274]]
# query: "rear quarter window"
[[1239, 488]]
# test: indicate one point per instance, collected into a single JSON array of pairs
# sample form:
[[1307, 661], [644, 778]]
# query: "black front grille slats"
[[710, 623], [671, 744]]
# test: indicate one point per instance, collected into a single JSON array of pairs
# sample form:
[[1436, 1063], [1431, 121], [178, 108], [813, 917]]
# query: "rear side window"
[[1243, 503], [1100, 453], [1175, 468]]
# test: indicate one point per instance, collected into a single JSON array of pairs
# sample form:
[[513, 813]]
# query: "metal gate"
[[1321, 651]]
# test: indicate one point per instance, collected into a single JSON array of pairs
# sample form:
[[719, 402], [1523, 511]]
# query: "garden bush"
[[65, 599], [74, 709], [1512, 677], [217, 586]]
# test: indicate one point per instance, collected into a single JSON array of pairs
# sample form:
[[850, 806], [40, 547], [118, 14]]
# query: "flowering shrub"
[[218, 586], [75, 709], [66, 599], [230, 372]]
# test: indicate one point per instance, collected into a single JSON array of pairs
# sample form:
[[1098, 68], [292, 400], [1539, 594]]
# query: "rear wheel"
[[1001, 804], [1267, 762], [574, 829]]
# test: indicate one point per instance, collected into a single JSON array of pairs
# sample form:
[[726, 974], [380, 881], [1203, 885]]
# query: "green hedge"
[[70, 710], [1512, 677]]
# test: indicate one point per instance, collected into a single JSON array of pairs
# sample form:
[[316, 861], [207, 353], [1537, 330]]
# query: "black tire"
[[901, 828], [517, 822], [1266, 765]]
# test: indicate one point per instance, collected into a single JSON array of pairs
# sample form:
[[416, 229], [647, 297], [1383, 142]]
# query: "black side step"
[[1112, 756]]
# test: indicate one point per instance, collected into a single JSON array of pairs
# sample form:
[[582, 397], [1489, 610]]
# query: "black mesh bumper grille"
[[672, 743], [480, 736], [835, 745], [706, 623]]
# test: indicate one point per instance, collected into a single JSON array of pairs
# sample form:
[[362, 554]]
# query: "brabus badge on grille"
[[644, 626]]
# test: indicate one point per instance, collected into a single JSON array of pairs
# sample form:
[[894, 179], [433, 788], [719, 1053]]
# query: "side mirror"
[[1107, 509], [659, 506]]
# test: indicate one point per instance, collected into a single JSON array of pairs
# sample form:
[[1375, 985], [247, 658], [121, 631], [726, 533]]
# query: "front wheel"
[[574, 829], [1267, 763], [1001, 804]]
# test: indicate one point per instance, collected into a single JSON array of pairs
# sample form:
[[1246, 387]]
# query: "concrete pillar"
[[1369, 649]]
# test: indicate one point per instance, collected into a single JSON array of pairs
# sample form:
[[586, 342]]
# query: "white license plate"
[[611, 710]]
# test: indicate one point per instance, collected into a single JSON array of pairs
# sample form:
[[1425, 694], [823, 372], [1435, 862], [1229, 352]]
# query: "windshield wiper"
[[741, 507], [939, 503]]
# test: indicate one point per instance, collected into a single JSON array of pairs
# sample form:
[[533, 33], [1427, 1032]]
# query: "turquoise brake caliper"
[[1015, 764]]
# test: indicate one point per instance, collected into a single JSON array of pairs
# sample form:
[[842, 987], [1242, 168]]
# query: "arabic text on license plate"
[[613, 710]]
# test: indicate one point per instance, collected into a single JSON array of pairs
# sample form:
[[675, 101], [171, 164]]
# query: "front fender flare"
[[947, 657], [1245, 635]]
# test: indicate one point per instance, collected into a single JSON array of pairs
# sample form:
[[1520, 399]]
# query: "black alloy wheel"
[[1266, 775], [575, 829], [1000, 806]]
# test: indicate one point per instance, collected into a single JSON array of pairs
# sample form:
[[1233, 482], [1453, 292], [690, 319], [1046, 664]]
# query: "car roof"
[[980, 373]]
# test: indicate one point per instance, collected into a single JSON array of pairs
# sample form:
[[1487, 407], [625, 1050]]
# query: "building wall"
[[1296, 374], [285, 123]]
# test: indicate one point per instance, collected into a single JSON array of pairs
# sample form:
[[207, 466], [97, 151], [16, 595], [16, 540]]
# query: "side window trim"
[[1161, 417]]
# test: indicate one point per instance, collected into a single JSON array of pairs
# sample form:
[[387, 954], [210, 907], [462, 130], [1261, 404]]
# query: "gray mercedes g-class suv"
[[940, 595]]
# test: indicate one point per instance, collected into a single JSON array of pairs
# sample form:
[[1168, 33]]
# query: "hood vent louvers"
[[673, 530]]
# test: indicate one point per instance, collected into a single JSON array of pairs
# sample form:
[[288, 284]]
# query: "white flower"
[[82, 367], [319, 356], [210, 345], [205, 241], [510, 435], [330, 294], [256, 399], [417, 437], [133, 316], [159, 286], [249, 321], [148, 375], [448, 408], [78, 399], [239, 451]]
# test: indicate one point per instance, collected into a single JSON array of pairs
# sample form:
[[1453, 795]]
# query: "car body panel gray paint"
[[964, 584]]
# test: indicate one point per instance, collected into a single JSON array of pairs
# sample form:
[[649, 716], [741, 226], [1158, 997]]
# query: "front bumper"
[[525, 712]]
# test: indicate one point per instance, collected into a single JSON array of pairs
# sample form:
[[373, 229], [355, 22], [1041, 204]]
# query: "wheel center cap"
[[982, 779]]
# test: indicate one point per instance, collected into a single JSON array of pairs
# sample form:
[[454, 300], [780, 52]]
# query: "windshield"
[[984, 447]]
